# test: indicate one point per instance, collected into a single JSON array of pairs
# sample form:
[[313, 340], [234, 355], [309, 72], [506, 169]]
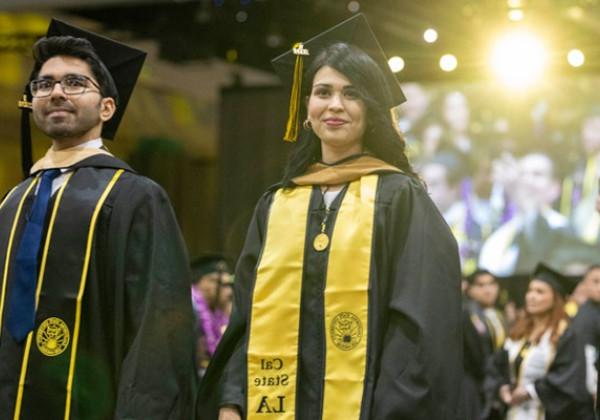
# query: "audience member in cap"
[[208, 275], [347, 293], [98, 321], [482, 292], [519, 375], [536, 232]]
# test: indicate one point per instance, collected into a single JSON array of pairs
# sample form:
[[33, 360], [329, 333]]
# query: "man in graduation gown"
[[95, 311], [490, 331]]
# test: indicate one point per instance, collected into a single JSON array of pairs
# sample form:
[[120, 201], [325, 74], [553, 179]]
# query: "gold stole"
[[275, 319], [29, 344]]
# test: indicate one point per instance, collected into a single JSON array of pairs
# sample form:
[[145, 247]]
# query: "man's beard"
[[71, 129]]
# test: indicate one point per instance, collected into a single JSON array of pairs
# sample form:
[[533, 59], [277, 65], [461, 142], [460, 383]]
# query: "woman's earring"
[[307, 125]]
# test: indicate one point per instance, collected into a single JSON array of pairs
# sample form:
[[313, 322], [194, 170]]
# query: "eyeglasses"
[[73, 84]]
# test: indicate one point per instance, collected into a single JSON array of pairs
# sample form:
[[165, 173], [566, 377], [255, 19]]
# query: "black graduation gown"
[[414, 362], [479, 347], [586, 326], [563, 390], [134, 357], [474, 368]]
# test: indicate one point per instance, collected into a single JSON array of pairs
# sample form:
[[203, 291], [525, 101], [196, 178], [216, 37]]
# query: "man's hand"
[[519, 395], [505, 395], [229, 413]]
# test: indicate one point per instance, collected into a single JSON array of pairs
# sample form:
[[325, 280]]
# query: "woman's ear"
[[107, 109]]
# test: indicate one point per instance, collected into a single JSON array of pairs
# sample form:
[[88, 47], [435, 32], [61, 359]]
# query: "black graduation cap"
[[209, 263], [123, 63], [355, 31], [513, 289], [562, 284]]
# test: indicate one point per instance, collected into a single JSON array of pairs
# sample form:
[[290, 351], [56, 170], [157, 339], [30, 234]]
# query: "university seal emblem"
[[52, 337], [346, 331]]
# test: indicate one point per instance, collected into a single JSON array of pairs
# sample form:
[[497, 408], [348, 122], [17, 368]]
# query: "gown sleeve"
[[474, 354], [421, 360], [224, 382], [157, 377], [497, 373], [563, 389]]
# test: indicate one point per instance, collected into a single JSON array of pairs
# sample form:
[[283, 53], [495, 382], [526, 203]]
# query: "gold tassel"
[[24, 103], [292, 126]]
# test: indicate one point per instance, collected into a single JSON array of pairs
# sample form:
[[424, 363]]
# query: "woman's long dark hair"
[[381, 139]]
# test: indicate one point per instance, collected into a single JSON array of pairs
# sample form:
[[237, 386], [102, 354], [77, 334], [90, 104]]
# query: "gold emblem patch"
[[346, 331], [52, 337]]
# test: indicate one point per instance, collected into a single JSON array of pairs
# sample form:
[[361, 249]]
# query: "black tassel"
[[26, 152]]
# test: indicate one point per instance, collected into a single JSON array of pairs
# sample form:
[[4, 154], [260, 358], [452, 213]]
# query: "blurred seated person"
[[536, 232], [580, 188], [456, 116], [518, 375], [489, 329], [443, 176], [208, 272], [411, 117]]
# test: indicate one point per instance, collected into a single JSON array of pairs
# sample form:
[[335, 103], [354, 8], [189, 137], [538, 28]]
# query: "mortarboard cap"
[[562, 284], [513, 289], [123, 63], [355, 31], [206, 264]]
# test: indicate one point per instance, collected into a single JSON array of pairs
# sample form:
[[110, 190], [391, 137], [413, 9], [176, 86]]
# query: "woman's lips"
[[334, 122]]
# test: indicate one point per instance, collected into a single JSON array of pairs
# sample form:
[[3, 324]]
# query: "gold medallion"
[[52, 337], [321, 242]]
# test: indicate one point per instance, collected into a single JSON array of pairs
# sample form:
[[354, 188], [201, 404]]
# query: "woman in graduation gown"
[[347, 294], [540, 373]]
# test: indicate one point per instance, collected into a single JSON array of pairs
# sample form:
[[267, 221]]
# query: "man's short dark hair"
[[48, 47], [591, 268]]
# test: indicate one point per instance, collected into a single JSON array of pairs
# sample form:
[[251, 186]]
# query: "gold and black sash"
[[47, 373], [273, 352], [11, 209]]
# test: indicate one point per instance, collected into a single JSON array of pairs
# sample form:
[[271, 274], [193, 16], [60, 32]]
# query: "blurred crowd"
[[516, 181]]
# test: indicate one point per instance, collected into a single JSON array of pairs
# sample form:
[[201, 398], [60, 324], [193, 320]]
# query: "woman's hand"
[[505, 394], [519, 395], [229, 413]]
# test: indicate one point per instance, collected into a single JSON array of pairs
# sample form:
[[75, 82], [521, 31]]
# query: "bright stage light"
[[448, 62], [396, 64], [430, 35], [516, 15], [518, 58], [576, 58]]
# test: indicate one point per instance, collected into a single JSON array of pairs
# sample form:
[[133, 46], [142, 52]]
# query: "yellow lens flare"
[[576, 58], [519, 59], [396, 64], [448, 62], [430, 35]]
